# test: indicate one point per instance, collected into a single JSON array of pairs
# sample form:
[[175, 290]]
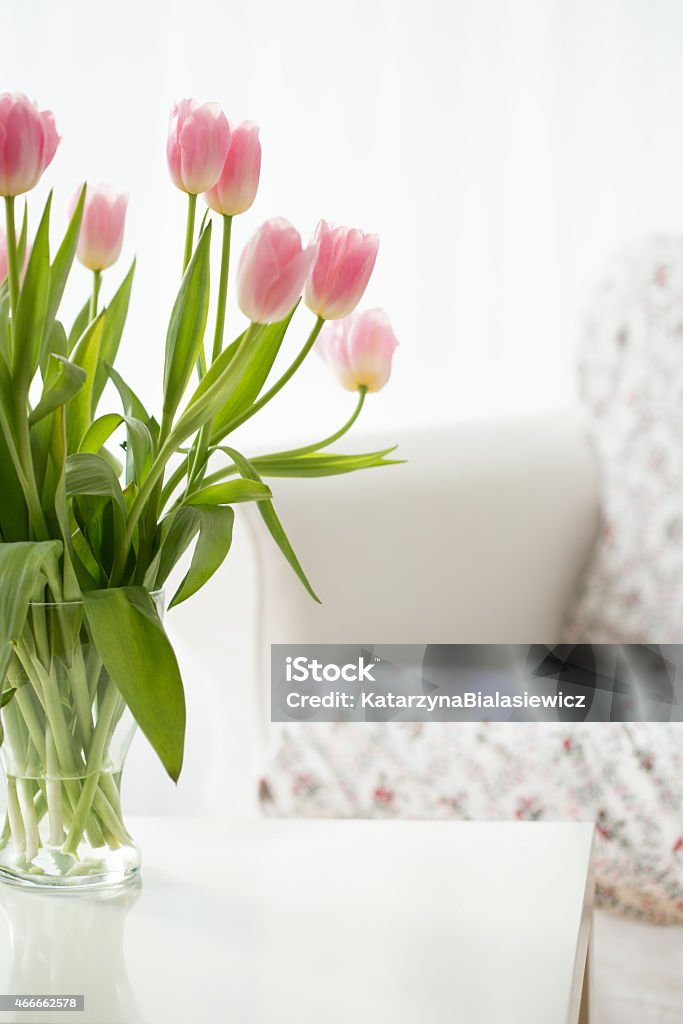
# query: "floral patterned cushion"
[[631, 382], [626, 778]]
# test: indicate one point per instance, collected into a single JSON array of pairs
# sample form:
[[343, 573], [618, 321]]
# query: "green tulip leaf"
[[91, 475], [251, 367], [270, 518], [21, 565], [213, 544], [62, 382], [139, 451], [79, 325], [6, 696], [114, 322], [99, 432], [32, 305], [186, 327], [178, 530], [86, 355], [13, 512], [61, 266], [55, 343], [323, 465], [138, 656], [230, 493], [5, 352], [209, 394]]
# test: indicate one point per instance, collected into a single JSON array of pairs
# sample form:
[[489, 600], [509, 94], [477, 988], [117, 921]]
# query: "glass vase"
[[67, 732]]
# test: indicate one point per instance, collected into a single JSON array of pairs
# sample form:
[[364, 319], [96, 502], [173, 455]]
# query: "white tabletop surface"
[[329, 922]]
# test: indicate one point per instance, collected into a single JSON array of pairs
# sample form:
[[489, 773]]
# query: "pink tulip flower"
[[272, 271], [198, 142], [359, 349], [101, 235], [341, 270], [235, 190], [28, 142]]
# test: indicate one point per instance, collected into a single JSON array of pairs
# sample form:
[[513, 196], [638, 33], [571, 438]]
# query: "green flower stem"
[[308, 449], [54, 711], [222, 288], [25, 705], [35, 509], [78, 673], [79, 688], [28, 814], [60, 730], [96, 282], [92, 670], [189, 230], [187, 256], [87, 795], [17, 737], [40, 633], [53, 791], [16, 822], [12, 256], [67, 809], [110, 816], [94, 760]]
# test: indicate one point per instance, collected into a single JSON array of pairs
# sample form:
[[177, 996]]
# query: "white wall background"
[[501, 148]]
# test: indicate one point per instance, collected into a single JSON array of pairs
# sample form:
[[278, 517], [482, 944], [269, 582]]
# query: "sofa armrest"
[[479, 537]]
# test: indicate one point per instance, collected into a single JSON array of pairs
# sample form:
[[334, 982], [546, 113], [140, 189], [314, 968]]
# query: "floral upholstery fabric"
[[631, 379], [626, 778]]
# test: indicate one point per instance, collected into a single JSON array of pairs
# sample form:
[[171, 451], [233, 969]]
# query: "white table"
[[329, 922]]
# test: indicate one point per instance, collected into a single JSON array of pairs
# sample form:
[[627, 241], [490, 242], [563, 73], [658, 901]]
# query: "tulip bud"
[[359, 349], [198, 141], [101, 234], [235, 190], [28, 142], [272, 271], [341, 270]]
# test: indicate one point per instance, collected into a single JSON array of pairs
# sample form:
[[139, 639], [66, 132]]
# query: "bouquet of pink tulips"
[[98, 507]]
